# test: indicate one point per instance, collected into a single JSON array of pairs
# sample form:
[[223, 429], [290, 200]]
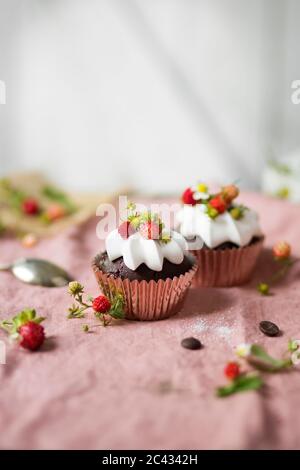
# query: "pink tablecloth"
[[132, 385]]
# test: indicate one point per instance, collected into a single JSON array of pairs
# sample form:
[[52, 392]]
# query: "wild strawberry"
[[26, 328], [30, 207], [55, 212], [232, 370], [218, 203], [126, 229], [282, 250], [230, 192], [101, 304], [188, 197], [150, 230], [32, 335]]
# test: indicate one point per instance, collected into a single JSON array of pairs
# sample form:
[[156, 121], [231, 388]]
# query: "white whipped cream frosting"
[[137, 250], [194, 222]]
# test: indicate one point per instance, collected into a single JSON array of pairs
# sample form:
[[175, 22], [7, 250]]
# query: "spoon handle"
[[5, 267]]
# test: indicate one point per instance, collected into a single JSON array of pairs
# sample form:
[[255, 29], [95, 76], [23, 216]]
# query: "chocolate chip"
[[269, 328], [191, 343]]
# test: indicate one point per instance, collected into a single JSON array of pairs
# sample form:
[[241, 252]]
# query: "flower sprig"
[[216, 203], [105, 307], [148, 224], [255, 356], [241, 383], [282, 256], [54, 204]]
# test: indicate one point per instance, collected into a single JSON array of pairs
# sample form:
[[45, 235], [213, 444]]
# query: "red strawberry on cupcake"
[[188, 197]]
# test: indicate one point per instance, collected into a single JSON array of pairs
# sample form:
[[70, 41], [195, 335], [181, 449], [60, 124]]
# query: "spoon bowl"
[[38, 272]]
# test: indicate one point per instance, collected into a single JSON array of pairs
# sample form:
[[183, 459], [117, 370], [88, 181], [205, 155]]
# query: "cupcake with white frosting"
[[151, 267], [230, 232]]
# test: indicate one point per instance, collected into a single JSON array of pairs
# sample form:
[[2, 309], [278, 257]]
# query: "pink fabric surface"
[[132, 385]]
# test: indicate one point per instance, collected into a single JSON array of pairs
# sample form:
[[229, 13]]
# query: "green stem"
[[282, 272], [78, 298], [6, 325], [105, 321]]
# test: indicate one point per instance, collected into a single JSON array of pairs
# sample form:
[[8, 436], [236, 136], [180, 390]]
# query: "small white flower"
[[243, 350], [200, 191], [295, 357], [14, 337]]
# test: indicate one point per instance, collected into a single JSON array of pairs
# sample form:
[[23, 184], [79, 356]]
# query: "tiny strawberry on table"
[[55, 212], [232, 370], [282, 251], [26, 328], [32, 335], [30, 206], [101, 304]]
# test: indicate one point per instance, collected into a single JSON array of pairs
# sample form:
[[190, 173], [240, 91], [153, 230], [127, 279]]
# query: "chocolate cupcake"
[[150, 267], [231, 235]]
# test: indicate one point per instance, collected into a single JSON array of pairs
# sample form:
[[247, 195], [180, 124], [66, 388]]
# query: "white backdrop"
[[148, 93]]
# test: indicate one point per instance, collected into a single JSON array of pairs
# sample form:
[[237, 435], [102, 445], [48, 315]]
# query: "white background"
[[153, 94]]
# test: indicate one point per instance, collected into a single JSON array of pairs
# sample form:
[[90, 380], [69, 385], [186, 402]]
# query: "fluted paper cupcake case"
[[148, 300], [228, 267]]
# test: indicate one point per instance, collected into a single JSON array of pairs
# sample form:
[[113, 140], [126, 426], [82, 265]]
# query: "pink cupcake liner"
[[228, 267], [153, 300]]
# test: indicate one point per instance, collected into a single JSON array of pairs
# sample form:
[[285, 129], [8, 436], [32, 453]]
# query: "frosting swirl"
[[194, 222], [137, 250]]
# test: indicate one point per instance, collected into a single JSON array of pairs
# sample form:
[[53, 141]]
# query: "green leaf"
[[280, 167], [59, 196], [242, 383], [134, 220], [117, 308], [131, 206], [39, 319], [76, 312], [23, 317], [117, 314], [211, 212], [262, 360], [7, 326], [165, 238], [13, 197], [237, 212], [2, 228]]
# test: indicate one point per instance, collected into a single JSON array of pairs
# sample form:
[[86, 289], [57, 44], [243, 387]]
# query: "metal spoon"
[[38, 272]]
